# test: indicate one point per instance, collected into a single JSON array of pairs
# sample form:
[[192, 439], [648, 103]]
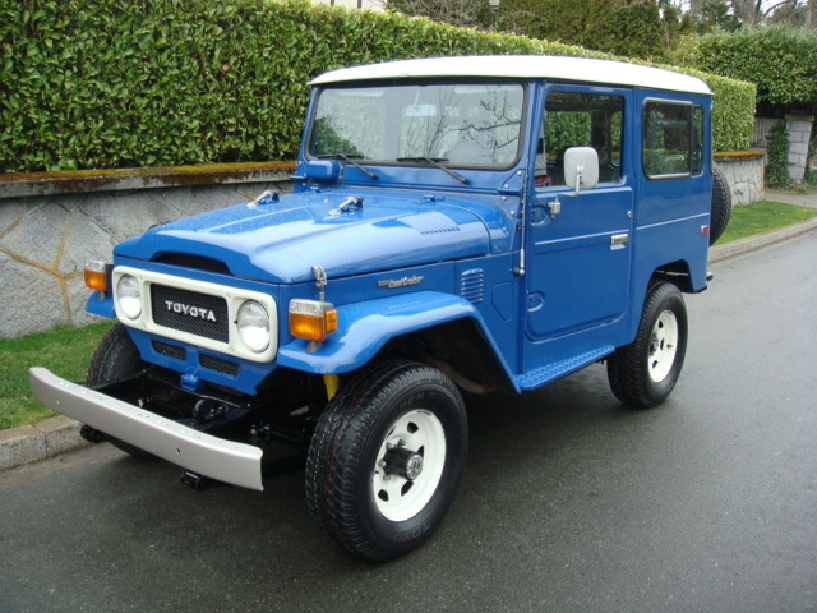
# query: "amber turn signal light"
[[312, 320], [96, 276]]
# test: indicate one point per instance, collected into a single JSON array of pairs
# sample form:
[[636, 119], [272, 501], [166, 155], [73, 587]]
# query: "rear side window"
[[672, 139]]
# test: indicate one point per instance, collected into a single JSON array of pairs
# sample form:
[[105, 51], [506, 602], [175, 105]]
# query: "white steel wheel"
[[663, 346], [409, 465], [644, 373], [386, 458]]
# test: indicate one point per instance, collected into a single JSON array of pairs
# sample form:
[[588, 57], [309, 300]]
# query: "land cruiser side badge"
[[404, 282]]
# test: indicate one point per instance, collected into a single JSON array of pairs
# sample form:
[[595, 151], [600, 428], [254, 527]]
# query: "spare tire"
[[721, 207]]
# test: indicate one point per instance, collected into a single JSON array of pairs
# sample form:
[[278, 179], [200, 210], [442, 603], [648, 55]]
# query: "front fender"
[[365, 327]]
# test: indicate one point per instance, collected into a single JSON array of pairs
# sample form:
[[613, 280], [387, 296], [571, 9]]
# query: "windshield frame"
[[457, 81]]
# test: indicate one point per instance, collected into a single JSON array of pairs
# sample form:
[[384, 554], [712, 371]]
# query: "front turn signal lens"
[[96, 276], [312, 320]]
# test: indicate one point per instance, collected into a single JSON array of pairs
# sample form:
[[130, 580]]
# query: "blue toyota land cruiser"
[[466, 223]]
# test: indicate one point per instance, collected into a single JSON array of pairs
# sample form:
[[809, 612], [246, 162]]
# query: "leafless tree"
[[758, 12], [462, 13]]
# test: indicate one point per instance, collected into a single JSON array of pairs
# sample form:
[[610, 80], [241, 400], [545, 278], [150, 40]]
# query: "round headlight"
[[128, 297], [253, 325]]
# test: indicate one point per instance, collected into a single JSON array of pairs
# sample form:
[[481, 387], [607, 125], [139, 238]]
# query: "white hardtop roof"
[[584, 70]]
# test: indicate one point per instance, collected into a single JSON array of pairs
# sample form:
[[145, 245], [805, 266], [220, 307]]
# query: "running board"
[[546, 374]]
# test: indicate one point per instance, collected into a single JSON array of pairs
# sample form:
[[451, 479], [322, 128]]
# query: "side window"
[[672, 139], [580, 120]]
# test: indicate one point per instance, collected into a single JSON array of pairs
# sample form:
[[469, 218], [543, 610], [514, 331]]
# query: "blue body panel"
[[101, 303], [365, 327], [280, 242], [585, 271]]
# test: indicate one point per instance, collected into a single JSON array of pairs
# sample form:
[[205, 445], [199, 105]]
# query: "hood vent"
[[472, 286], [199, 262], [430, 223]]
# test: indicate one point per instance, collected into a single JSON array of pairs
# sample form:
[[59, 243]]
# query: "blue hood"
[[281, 241]]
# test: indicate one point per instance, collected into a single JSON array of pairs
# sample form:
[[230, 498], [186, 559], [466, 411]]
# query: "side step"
[[546, 374]]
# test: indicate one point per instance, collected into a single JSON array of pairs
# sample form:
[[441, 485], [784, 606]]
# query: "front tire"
[[116, 358], [386, 459], [643, 374]]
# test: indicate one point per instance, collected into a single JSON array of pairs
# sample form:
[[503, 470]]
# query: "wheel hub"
[[409, 465], [404, 463]]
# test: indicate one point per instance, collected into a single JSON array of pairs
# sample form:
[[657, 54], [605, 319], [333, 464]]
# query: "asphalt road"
[[569, 503]]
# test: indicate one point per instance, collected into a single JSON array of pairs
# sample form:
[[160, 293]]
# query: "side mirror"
[[581, 168]]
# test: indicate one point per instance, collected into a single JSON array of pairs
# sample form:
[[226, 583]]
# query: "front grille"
[[219, 365], [191, 312], [171, 351]]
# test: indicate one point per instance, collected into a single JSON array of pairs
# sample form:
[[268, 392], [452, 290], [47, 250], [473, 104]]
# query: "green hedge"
[[781, 61], [119, 83], [621, 27], [733, 112]]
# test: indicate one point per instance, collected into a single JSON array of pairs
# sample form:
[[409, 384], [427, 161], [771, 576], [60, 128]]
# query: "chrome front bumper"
[[235, 463]]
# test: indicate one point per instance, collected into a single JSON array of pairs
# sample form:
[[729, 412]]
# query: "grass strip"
[[65, 351], [762, 216]]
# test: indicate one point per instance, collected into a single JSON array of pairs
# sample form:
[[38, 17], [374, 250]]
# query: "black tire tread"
[[721, 208], [117, 357], [332, 426], [625, 367], [352, 413]]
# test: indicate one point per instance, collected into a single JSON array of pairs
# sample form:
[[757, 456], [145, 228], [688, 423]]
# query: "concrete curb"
[[57, 434], [42, 440]]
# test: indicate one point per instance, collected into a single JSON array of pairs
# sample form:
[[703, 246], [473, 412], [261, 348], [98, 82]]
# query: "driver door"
[[578, 269]]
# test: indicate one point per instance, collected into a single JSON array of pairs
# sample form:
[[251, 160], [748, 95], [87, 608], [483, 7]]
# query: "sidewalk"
[[57, 434], [809, 200]]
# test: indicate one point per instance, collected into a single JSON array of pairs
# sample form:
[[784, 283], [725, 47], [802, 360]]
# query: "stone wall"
[[744, 173], [51, 224], [49, 229], [798, 128]]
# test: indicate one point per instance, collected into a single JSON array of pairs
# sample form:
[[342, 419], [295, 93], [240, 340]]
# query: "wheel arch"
[[678, 273], [430, 327], [418, 325]]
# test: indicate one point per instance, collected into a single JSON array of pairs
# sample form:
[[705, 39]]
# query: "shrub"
[[777, 151], [117, 83], [781, 61]]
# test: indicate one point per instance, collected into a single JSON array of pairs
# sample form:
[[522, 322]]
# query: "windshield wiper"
[[436, 162], [350, 160]]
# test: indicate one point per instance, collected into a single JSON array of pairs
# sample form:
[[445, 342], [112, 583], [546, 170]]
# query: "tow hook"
[[199, 482], [92, 435]]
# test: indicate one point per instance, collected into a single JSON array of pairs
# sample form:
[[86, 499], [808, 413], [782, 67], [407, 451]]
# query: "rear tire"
[[643, 374], [386, 459], [116, 358]]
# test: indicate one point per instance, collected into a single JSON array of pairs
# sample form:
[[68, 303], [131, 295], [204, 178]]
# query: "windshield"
[[477, 124]]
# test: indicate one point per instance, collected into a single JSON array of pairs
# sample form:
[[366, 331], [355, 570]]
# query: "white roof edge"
[[585, 70]]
